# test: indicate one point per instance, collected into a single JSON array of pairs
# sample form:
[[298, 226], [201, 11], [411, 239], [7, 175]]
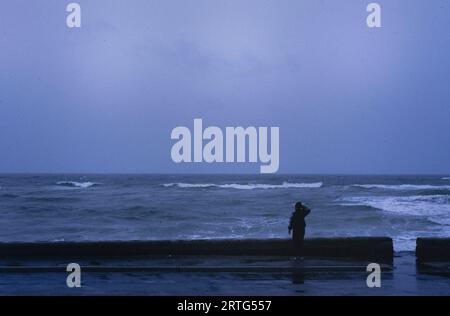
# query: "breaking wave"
[[435, 208], [74, 184], [445, 178], [284, 185], [403, 187]]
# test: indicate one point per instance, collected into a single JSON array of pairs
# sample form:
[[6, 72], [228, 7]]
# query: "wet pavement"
[[219, 276]]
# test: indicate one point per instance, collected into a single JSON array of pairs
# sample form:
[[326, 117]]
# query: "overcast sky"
[[105, 97]]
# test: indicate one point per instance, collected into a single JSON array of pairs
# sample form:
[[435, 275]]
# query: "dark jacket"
[[297, 222]]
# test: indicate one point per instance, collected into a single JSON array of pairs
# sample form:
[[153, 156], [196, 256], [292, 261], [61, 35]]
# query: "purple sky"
[[104, 98]]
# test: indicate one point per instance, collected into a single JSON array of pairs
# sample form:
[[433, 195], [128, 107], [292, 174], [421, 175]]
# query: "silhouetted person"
[[297, 226]]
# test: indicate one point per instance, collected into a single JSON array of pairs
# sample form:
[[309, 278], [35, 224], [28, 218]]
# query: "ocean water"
[[147, 207]]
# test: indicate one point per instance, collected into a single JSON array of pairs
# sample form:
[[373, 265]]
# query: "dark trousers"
[[298, 237]]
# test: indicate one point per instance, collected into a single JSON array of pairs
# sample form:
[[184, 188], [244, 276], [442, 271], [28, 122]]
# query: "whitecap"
[[435, 208], [261, 186], [189, 185], [75, 184], [405, 242], [404, 187]]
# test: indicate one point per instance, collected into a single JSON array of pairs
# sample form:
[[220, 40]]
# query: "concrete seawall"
[[380, 248], [433, 249]]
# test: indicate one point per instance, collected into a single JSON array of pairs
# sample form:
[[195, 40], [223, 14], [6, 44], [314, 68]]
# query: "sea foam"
[[435, 208], [261, 186], [75, 184], [403, 187]]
